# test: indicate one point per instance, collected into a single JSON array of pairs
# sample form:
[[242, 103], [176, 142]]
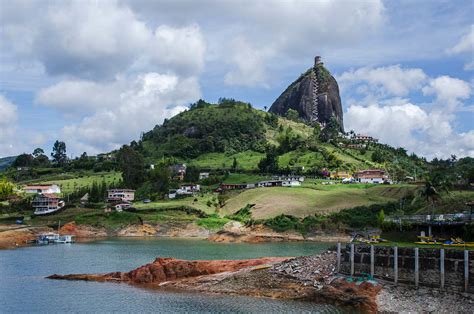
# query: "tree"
[[159, 179], [380, 218], [192, 174], [132, 165], [234, 164], [59, 153], [6, 189], [330, 131], [23, 160], [37, 152], [292, 114], [269, 164]]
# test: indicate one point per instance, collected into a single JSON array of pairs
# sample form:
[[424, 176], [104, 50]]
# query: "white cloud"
[[8, 127], [465, 46], [390, 80], [409, 126], [97, 39], [146, 101], [449, 91], [249, 69]]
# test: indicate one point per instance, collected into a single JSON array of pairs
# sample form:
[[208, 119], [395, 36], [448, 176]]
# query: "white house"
[[291, 183], [42, 189], [203, 175]]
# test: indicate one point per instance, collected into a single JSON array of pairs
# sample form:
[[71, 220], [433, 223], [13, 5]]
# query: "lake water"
[[23, 287]]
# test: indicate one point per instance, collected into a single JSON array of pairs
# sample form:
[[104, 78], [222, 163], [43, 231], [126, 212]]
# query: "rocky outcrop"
[[305, 278], [314, 95], [83, 231], [168, 269]]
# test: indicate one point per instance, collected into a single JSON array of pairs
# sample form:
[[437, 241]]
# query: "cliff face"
[[314, 95]]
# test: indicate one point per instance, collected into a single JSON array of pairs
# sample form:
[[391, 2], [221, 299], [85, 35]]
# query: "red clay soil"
[[253, 277], [169, 269]]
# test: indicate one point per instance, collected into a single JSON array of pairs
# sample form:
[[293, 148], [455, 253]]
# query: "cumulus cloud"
[[449, 91], [145, 101], [376, 107], [98, 39], [390, 80], [8, 127], [8, 120], [249, 64], [465, 46], [411, 127]]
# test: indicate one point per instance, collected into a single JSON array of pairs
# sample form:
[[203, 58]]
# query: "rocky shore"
[[305, 278], [310, 278], [12, 236]]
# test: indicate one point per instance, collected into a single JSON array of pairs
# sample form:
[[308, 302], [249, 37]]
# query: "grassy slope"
[[200, 204], [303, 201], [68, 185], [247, 160]]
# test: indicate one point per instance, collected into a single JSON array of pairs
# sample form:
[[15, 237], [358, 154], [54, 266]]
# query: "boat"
[[457, 242], [428, 240], [47, 238], [67, 238], [51, 237]]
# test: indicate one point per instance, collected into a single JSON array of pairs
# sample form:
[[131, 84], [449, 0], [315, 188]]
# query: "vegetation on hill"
[[229, 126]]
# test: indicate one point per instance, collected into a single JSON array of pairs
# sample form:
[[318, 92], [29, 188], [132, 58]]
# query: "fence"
[[429, 219], [428, 267]]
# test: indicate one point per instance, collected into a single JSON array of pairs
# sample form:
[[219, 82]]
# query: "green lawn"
[[201, 203], [247, 160], [69, 185], [303, 201], [235, 178]]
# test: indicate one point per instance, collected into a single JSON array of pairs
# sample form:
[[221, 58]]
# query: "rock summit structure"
[[314, 95]]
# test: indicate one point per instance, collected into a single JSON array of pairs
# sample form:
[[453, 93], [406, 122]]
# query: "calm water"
[[23, 287]]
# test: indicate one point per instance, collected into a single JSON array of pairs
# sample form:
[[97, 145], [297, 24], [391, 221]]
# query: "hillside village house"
[[184, 190], [41, 189], [124, 195], [339, 174], [203, 175], [47, 203], [178, 171], [372, 176], [365, 138]]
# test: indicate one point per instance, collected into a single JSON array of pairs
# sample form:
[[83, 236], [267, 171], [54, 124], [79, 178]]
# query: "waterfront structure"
[[46, 204], [42, 188]]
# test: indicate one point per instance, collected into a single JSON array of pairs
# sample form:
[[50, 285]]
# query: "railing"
[[458, 217]]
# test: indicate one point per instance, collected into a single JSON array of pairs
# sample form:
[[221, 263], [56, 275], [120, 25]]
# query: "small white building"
[[203, 175], [126, 195], [291, 183], [42, 189]]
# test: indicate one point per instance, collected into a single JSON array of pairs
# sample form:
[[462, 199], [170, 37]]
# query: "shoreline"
[[308, 278], [14, 236]]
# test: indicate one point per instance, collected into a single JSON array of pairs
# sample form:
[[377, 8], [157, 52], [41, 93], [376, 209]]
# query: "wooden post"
[[338, 257], [352, 259], [417, 273], [372, 260], [441, 267], [395, 264], [466, 269]]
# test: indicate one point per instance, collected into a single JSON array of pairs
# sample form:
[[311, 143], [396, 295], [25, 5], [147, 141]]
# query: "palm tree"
[[434, 186]]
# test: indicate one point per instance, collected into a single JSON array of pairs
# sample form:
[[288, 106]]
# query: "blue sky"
[[97, 73]]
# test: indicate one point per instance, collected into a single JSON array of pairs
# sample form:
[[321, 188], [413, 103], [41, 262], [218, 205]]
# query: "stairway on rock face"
[[314, 109]]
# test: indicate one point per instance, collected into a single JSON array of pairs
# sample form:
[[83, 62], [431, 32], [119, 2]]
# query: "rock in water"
[[314, 95]]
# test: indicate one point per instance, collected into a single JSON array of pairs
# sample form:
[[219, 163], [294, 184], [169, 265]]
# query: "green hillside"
[[212, 136], [304, 201]]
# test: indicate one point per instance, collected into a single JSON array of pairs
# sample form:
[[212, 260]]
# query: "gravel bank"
[[402, 299]]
